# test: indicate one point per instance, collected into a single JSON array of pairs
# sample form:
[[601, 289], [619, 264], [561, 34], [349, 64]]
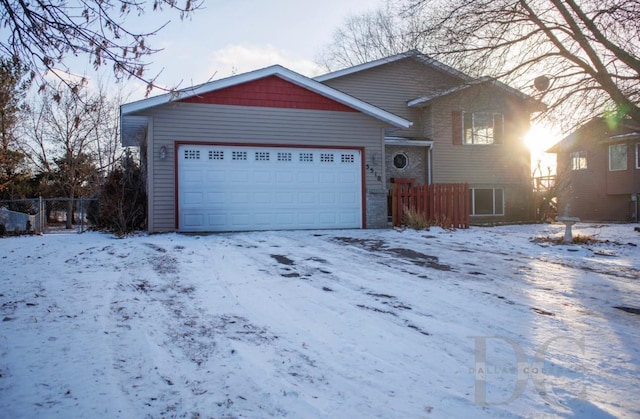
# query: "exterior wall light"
[[163, 153]]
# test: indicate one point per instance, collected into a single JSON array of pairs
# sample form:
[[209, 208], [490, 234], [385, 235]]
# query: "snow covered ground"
[[352, 324]]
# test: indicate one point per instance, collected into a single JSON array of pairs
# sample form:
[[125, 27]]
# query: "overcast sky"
[[234, 36]]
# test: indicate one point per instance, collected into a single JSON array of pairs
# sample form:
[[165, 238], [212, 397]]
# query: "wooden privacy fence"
[[443, 204]]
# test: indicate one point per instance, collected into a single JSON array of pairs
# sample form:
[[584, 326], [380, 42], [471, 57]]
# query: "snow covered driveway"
[[353, 323]]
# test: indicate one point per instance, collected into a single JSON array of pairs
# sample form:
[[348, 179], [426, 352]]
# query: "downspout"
[[429, 165]]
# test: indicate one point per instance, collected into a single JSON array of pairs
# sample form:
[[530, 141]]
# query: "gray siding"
[[252, 125], [506, 163], [392, 85]]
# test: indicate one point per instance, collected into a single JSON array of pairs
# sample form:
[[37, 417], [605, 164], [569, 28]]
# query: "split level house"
[[598, 171], [272, 149]]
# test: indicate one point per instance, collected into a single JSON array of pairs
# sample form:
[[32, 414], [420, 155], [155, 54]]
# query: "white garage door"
[[238, 188]]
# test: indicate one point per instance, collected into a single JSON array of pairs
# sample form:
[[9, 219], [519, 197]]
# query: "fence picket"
[[445, 204]]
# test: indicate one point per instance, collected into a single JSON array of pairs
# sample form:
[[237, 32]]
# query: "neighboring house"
[[598, 168], [272, 149]]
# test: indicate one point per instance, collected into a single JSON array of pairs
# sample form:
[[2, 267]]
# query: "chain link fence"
[[45, 215]]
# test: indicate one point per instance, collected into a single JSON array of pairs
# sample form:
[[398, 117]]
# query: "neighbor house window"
[[578, 160], [617, 157], [481, 127], [488, 201]]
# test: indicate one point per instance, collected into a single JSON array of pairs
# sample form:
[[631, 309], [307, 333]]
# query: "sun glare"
[[539, 139]]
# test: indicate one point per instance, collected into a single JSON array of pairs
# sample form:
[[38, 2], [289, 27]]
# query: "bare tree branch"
[[589, 49], [43, 34]]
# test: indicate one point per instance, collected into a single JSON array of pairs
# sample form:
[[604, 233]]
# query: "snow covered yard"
[[357, 323]]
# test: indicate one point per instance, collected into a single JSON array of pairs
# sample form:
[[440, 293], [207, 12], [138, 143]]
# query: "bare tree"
[[12, 88], [62, 144], [43, 34], [581, 57], [372, 35], [107, 149], [364, 38]]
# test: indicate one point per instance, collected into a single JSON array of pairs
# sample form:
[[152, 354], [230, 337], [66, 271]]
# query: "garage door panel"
[[263, 198], [306, 197], [327, 197], [215, 219], [285, 197], [239, 177], [214, 175], [307, 218], [216, 198], [239, 188], [285, 218], [240, 220], [348, 198], [193, 176], [285, 177], [263, 219], [193, 220], [327, 178], [347, 218], [263, 176], [327, 217], [193, 198], [306, 176]]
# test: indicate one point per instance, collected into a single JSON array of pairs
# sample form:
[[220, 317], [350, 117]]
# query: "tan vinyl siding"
[[506, 163], [252, 125], [391, 86]]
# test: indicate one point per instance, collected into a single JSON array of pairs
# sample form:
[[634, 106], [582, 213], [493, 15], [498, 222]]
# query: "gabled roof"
[[275, 70], [475, 82], [467, 81], [415, 54], [597, 130]]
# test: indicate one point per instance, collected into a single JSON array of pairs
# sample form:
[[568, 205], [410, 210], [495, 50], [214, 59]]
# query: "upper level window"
[[617, 157], [578, 160], [482, 127]]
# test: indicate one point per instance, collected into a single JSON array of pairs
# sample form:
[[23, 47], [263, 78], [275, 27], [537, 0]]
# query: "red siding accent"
[[270, 92]]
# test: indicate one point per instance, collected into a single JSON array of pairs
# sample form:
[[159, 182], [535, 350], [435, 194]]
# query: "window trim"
[[472, 204], [406, 160], [626, 153], [495, 136]]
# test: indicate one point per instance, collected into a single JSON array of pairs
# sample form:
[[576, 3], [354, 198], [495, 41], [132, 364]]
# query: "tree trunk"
[[69, 214]]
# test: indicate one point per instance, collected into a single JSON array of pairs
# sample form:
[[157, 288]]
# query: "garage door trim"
[[178, 144]]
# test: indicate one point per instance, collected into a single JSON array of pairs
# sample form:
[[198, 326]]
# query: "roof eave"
[[387, 60], [276, 70]]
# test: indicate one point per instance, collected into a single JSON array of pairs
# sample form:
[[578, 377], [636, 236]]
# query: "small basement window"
[[488, 201]]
